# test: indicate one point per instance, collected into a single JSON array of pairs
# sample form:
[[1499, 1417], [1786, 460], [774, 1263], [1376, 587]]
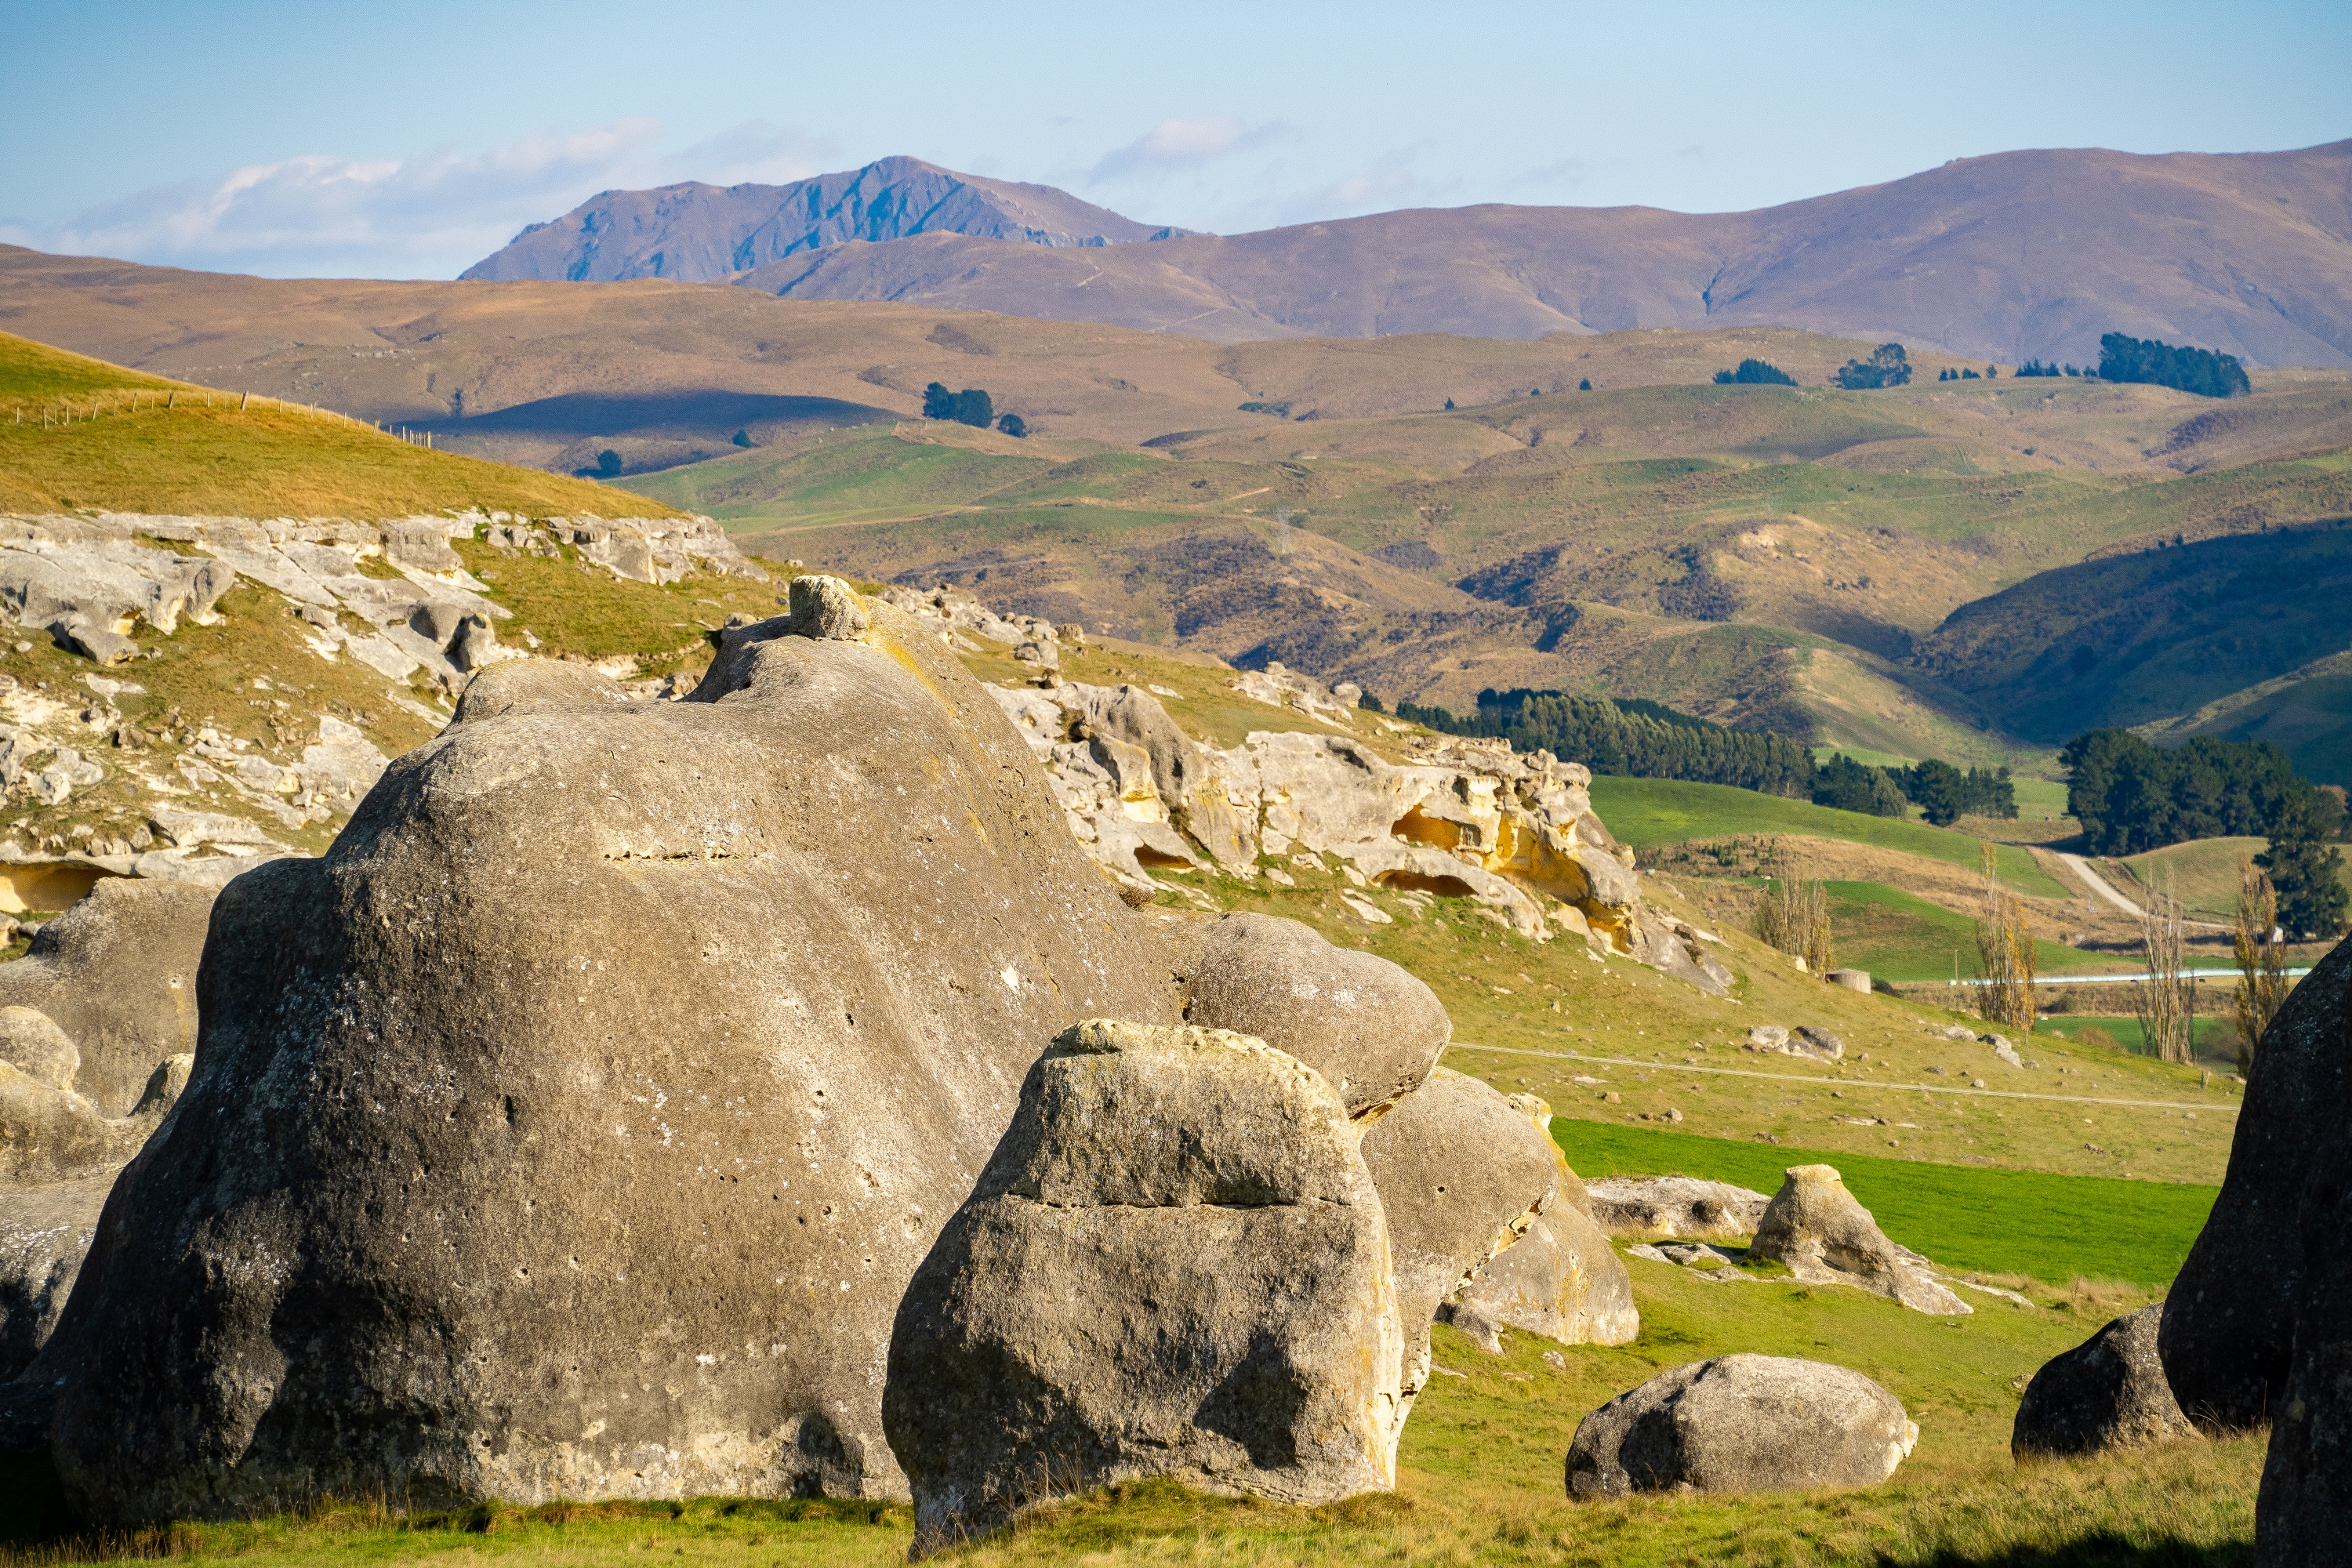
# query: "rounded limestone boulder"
[[2109, 1392], [1174, 1265], [1742, 1424], [1366, 1025], [1826, 1237], [117, 974]]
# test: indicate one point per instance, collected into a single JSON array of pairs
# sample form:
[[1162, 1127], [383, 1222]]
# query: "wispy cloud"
[[1390, 182], [1177, 144], [427, 214]]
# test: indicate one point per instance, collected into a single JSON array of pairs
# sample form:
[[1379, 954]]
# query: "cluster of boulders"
[[578, 1124]]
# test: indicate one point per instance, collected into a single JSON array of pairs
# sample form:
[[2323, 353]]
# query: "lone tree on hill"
[[2200, 370], [1755, 372], [1888, 365], [1014, 425], [608, 463]]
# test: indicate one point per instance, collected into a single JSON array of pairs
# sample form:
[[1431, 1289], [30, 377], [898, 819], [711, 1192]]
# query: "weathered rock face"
[[117, 975], [573, 1126], [1175, 1264], [2306, 1496], [1363, 1022], [2109, 1392], [1741, 1422], [2228, 1338], [1681, 1207], [44, 1232], [1561, 1279], [1462, 1173], [1815, 1226]]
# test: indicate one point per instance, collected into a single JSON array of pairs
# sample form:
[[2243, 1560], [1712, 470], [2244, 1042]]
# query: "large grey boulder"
[[1372, 1028], [1462, 1173], [1816, 1227], [2109, 1392], [1741, 1422], [535, 685], [117, 975], [573, 1126], [1175, 1264], [2228, 1338], [1683, 1207]]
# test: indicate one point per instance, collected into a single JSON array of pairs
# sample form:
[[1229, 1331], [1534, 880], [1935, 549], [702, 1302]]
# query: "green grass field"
[[2054, 1228], [1899, 936], [1648, 812], [2216, 1038]]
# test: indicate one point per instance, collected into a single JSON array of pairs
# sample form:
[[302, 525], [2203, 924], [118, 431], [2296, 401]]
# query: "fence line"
[[63, 412]]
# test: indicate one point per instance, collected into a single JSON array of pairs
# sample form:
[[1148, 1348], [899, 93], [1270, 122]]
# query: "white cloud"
[[1174, 144], [429, 215]]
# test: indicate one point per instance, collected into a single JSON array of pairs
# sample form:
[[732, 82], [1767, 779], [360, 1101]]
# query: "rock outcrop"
[[1175, 1264], [2109, 1392], [1675, 1206], [573, 1126], [1816, 1227], [2228, 1333], [1467, 819], [1741, 1422], [1366, 1025]]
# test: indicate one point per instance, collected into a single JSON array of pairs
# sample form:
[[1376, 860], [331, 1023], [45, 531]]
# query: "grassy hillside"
[[2307, 712], [1648, 813], [76, 434]]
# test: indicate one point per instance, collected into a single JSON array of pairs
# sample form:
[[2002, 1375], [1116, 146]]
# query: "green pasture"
[[2010, 1222], [1646, 812], [1899, 936]]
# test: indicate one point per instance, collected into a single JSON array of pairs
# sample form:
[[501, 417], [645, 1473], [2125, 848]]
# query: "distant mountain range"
[[2011, 256], [705, 234]]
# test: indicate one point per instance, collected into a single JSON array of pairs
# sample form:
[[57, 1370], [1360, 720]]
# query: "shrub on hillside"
[[970, 406], [2200, 370], [608, 463], [1888, 365], [1015, 426], [1755, 372]]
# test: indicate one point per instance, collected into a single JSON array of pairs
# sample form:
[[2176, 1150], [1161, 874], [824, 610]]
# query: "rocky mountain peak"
[[702, 233]]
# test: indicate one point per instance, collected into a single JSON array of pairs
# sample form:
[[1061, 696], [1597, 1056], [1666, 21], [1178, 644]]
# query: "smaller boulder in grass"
[[1826, 1237], [1741, 1424], [2109, 1392], [1675, 1206]]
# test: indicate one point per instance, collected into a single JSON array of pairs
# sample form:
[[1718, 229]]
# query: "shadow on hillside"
[[705, 413], [2104, 1550]]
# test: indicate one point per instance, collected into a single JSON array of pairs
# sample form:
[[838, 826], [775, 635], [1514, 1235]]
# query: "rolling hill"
[[2017, 255]]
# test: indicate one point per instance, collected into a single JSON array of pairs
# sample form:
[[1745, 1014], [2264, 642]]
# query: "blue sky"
[[411, 139]]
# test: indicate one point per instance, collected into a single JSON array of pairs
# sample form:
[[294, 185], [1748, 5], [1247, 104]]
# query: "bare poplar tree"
[[2162, 1000], [2261, 949], [1795, 914], [2005, 952]]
